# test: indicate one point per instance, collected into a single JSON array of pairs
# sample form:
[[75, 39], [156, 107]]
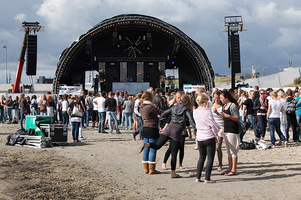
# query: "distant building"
[[44, 80]]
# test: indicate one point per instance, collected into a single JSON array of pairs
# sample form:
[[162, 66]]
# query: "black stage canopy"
[[138, 46]]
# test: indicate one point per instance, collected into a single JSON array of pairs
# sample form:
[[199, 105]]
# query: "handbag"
[[76, 112]]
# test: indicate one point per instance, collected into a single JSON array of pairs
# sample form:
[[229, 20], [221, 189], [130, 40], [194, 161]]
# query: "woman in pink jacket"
[[206, 135]]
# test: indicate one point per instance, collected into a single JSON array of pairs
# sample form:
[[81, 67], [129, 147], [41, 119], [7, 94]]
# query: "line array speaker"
[[31, 58]]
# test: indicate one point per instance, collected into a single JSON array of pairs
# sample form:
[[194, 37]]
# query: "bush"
[[297, 81]]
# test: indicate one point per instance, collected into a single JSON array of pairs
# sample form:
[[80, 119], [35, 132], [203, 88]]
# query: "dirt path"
[[108, 167]]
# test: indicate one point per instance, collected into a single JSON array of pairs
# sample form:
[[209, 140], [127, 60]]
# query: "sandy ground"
[[108, 167]]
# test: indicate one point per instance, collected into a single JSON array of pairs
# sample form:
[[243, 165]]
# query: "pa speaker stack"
[[234, 53], [31, 59]]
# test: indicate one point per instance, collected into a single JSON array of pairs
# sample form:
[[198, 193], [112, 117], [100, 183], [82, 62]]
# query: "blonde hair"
[[274, 94], [202, 100], [281, 94]]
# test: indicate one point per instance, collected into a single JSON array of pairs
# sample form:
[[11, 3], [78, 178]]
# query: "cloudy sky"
[[272, 38]]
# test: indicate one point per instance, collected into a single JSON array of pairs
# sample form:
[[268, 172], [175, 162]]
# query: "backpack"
[[14, 138], [248, 145], [291, 107]]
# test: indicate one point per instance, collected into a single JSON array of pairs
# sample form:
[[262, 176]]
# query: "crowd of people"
[[212, 119], [172, 116]]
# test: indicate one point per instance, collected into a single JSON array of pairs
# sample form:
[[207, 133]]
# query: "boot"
[[152, 168], [145, 165]]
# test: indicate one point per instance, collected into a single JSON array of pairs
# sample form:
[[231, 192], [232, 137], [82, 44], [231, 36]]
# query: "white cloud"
[[5, 34], [265, 11], [289, 39], [20, 17], [273, 26]]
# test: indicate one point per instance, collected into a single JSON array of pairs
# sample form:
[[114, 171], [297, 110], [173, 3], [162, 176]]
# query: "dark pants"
[[292, 120], [262, 122], [168, 151], [174, 145], [206, 149]]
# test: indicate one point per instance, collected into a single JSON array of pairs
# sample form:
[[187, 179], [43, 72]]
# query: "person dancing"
[[179, 114], [150, 131]]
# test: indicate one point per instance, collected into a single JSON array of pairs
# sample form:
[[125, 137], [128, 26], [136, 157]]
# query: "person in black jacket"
[[291, 116], [179, 115], [260, 107]]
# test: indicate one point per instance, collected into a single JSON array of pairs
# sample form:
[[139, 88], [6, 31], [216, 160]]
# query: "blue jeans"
[[65, 117], [128, 120], [23, 115], [149, 154], [140, 125], [34, 111], [75, 130], [101, 122], [112, 117], [274, 123], [89, 112], [9, 113], [251, 121], [298, 125], [60, 113], [122, 118]]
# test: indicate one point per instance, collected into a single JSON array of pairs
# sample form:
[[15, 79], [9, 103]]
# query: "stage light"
[[172, 62]]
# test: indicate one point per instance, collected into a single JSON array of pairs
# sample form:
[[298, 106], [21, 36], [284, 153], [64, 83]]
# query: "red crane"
[[28, 27]]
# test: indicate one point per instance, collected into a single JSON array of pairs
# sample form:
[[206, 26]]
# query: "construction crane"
[[28, 27]]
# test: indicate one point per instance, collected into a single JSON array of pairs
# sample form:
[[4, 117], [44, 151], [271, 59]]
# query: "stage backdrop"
[[131, 87]]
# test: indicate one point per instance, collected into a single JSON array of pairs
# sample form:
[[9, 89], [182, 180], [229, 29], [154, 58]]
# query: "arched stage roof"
[[167, 43]]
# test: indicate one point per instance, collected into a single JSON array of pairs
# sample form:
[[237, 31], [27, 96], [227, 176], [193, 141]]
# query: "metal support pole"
[[6, 79]]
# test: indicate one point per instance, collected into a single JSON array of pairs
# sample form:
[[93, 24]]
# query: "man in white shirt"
[[100, 102]]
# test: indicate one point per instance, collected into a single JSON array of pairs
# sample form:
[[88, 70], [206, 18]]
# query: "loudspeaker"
[[234, 53], [31, 58]]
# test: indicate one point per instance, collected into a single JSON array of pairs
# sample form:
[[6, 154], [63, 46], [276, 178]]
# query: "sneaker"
[[196, 148], [83, 138]]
